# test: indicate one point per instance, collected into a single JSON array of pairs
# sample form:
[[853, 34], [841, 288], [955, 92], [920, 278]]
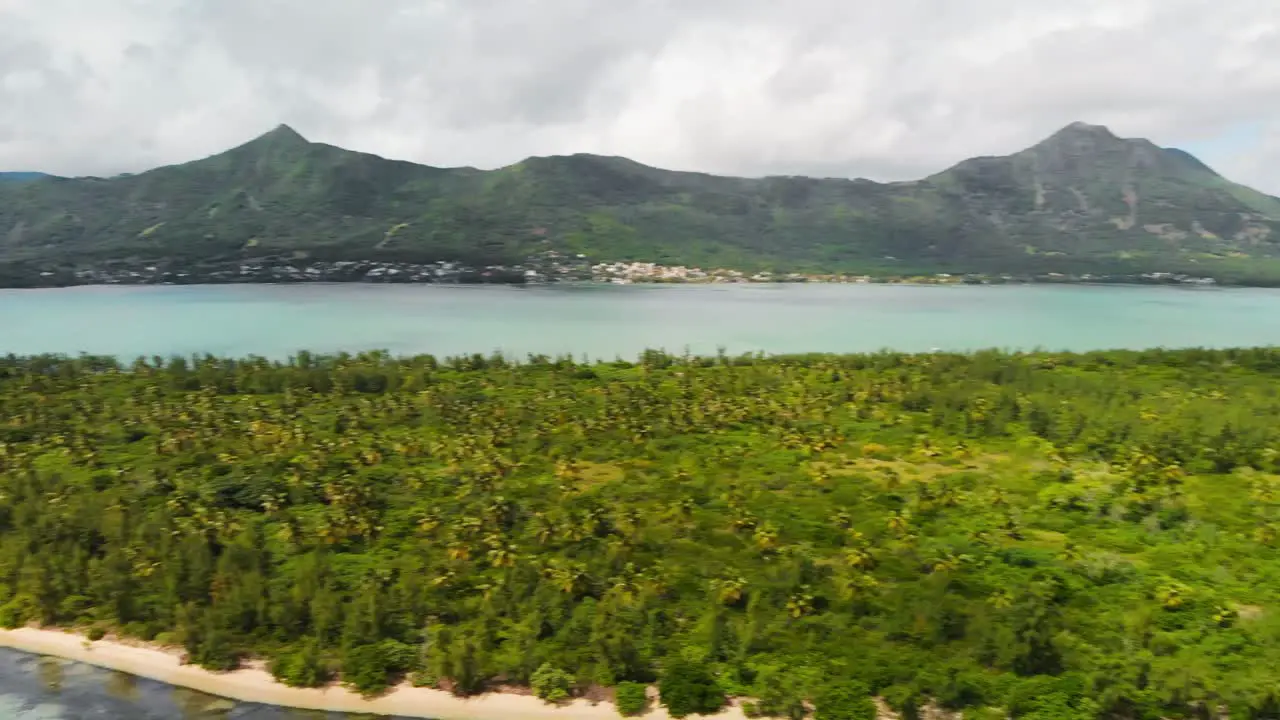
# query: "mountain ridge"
[[22, 176], [1081, 199]]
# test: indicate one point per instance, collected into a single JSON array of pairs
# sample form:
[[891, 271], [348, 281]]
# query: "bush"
[[140, 630], [210, 648], [551, 683], [423, 678], [688, 689], [365, 669], [399, 657], [846, 701], [904, 699], [96, 633], [300, 668], [18, 611], [782, 691], [877, 451], [632, 698]]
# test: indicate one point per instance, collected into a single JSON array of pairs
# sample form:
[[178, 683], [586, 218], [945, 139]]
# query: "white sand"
[[255, 684]]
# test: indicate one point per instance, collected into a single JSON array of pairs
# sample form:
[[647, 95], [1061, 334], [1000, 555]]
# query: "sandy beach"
[[254, 684]]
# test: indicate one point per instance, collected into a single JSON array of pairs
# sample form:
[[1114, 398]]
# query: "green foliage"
[[785, 689], [1083, 201], [631, 698], [20, 610], [95, 633], [365, 668], [300, 668], [844, 701], [687, 688], [1054, 534], [551, 683], [211, 649]]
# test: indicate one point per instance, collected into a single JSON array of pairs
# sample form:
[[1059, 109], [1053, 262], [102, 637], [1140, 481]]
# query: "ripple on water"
[[51, 674], [123, 686], [14, 707], [199, 706]]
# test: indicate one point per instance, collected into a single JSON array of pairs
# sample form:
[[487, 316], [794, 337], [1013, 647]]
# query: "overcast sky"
[[886, 89]]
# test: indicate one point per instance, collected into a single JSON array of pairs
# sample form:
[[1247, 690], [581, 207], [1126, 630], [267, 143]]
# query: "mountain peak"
[[280, 139], [1078, 132], [284, 133]]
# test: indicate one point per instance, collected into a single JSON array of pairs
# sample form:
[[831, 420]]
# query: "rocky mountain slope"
[[1082, 200]]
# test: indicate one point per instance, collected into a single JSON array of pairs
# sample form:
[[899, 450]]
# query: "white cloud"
[[889, 89]]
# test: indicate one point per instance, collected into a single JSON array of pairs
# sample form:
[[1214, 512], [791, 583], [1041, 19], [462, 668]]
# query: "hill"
[[1082, 200], [21, 176]]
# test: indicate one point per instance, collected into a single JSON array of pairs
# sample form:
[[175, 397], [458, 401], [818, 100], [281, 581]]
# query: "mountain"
[[21, 176], [1082, 200]]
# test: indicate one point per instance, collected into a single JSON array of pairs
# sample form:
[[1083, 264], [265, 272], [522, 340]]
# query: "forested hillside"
[[1047, 535], [1081, 201]]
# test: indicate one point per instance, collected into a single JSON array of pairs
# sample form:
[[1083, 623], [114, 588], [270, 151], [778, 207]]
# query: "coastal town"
[[550, 267]]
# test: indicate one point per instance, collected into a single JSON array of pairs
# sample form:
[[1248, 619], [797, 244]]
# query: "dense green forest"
[[1043, 535]]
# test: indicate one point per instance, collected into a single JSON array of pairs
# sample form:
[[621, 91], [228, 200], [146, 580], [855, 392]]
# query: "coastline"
[[252, 683]]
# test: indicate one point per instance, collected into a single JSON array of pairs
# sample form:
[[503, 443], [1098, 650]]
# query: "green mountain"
[[1082, 200], [21, 176]]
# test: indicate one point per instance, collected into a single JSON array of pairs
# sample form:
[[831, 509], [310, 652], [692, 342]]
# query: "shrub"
[[688, 689], [365, 669], [877, 451], [632, 698], [904, 699], [140, 630], [399, 657], [18, 611], [846, 701], [300, 668], [423, 678], [782, 691], [551, 683], [96, 633]]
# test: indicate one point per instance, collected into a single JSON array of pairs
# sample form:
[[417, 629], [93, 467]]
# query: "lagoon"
[[604, 321]]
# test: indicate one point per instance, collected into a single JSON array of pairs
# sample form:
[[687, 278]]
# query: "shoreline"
[[252, 683], [650, 283]]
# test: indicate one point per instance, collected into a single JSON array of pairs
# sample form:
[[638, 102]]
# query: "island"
[[994, 535], [1082, 205]]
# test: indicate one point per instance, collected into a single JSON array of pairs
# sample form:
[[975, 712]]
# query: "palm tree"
[[899, 522], [855, 584], [948, 563], [729, 591], [766, 537], [625, 588], [1172, 595], [568, 576], [800, 603], [859, 558], [1000, 599]]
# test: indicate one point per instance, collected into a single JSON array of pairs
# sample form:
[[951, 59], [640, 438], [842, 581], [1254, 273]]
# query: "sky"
[[884, 89]]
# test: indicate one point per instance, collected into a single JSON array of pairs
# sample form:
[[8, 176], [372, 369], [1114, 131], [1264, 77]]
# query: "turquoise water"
[[609, 321]]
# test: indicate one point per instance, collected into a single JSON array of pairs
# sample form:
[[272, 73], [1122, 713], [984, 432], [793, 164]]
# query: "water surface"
[[33, 687], [608, 321]]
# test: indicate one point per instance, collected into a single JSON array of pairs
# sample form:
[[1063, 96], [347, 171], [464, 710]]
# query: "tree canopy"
[[1049, 534]]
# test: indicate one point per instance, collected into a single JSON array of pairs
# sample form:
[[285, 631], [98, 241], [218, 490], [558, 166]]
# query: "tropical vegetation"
[[1039, 535]]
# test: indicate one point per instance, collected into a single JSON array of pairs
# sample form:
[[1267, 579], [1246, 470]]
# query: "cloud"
[[888, 89]]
